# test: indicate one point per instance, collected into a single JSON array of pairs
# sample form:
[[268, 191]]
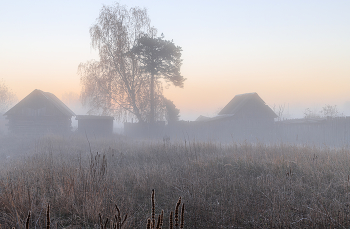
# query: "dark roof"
[[51, 98], [93, 117], [239, 101]]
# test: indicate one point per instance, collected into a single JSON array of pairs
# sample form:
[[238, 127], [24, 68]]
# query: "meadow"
[[235, 185]]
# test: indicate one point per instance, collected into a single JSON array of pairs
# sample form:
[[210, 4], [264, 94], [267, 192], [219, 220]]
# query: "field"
[[237, 185]]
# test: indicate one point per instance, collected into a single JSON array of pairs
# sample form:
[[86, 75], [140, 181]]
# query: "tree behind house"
[[125, 82], [115, 85]]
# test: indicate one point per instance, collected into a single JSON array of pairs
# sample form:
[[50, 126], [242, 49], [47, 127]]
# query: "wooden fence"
[[330, 132], [319, 132]]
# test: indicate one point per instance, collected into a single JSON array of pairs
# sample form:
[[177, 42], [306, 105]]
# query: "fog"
[[241, 109]]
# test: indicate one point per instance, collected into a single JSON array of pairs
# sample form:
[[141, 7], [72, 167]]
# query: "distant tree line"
[[326, 111]]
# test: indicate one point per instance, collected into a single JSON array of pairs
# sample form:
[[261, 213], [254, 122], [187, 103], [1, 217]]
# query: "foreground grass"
[[222, 186]]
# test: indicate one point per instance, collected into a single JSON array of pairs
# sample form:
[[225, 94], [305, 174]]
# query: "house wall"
[[3, 125], [255, 110], [35, 125]]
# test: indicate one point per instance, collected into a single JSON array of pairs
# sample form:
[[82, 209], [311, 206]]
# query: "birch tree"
[[115, 84]]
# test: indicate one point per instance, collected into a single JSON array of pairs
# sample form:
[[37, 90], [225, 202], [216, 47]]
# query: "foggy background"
[[292, 53]]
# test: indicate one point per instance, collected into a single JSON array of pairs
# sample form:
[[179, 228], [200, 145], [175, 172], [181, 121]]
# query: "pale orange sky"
[[293, 53]]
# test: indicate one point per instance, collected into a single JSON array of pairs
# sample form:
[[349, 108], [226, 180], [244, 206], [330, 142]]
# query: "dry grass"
[[223, 186]]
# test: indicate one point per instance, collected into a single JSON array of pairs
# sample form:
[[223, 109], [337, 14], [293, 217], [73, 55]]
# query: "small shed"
[[39, 113], [97, 125]]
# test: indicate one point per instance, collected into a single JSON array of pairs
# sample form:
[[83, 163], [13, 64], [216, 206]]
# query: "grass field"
[[222, 186]]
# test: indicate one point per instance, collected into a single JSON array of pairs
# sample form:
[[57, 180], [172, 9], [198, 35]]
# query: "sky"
[[294, 54]]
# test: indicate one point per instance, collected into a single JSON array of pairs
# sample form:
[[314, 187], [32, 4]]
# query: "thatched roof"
[[36, 99], [241, 100]]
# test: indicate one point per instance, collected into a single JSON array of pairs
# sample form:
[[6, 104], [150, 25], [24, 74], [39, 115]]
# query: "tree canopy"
[[160, 59]]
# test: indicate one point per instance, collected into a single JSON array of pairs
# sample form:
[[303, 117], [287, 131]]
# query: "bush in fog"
[[7, 97]]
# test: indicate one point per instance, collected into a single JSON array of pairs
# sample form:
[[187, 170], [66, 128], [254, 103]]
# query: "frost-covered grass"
[[222, 186]]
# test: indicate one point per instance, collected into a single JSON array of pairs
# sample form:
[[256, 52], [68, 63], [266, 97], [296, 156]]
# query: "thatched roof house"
[[39, 113], [247, 107]]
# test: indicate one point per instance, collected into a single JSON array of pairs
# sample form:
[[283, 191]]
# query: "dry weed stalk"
[[148, 226], [177, 213], [27, 221], [48, 217], [119, 222], [118, 219], [160, 220], [103, 225], [153, 208], [171, 220], [151, 223], [182, 216]]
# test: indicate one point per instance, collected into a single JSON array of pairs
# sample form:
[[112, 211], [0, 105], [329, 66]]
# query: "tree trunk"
[[138, 115], [152, 118]]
